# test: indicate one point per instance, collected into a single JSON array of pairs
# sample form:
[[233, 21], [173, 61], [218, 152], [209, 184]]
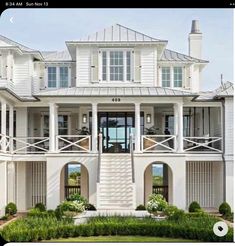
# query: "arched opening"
[[158, 180], [74, 179]]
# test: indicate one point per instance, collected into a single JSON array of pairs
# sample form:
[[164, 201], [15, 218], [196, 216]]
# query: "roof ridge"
[[137, 31], [185, 55], [18, 44]]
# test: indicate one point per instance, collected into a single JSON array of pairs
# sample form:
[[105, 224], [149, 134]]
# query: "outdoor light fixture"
[[84, 118], [148, 118]]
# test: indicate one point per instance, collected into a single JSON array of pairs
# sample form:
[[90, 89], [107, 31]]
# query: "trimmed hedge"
[[102, 229], [36, 229]]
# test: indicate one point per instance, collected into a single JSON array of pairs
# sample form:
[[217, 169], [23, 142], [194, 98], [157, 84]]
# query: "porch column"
[[11, 126], [137, 127], [53, 110], [94, 127], [178, 126], [11, 180], [3, 187], [3, 123]]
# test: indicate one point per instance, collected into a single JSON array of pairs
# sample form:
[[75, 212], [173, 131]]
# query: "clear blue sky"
[[48, 29]]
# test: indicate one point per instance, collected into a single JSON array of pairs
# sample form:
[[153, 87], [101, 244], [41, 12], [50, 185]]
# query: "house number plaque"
[[116, 99]]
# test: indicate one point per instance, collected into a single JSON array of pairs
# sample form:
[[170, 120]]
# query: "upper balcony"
[[159, 128]]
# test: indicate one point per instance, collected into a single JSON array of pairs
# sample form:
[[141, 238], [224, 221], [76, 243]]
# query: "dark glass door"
[[116, 128]]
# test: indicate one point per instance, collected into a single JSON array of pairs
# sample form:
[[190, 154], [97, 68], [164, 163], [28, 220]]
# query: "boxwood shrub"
[[10, 209], [36, 229]]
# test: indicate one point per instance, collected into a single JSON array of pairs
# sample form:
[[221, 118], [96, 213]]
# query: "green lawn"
[[120, 239]]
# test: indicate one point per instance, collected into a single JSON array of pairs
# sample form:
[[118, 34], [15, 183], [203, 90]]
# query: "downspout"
[[223, 157]]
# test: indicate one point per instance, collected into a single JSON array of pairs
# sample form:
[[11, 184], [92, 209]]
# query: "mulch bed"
[[11, 217]]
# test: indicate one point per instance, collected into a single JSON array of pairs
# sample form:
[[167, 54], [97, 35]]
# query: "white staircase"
[[116, 190]]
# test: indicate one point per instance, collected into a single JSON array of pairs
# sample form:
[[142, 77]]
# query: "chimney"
[[195, 40]]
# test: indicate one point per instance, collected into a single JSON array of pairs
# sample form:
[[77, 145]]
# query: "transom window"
[[166, 77], [116, 65], [58, 77]]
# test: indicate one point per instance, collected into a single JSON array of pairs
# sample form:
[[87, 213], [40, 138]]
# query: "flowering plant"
[[156, 202]]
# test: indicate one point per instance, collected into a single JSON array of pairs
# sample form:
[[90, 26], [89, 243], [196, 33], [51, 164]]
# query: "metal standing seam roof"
[[114, 91], [13, 43], [170, 55], [118, 33], [56, 55], [227, 89]]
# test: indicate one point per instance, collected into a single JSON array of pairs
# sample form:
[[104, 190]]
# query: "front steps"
[[115, 190]]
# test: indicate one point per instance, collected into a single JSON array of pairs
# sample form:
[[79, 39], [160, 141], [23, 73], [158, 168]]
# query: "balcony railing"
[[30, 145], [201, 144], [5, 142], [73, 143], [158, 143]]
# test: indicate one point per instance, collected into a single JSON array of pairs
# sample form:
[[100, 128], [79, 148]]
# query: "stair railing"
[[100, 136], [132, 157]]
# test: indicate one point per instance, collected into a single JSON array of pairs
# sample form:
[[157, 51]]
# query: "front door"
[[116, 128]]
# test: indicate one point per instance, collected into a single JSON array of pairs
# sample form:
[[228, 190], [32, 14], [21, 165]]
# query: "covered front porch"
[[74, 128]]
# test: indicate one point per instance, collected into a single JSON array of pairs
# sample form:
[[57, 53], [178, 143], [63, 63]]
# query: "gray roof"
[[114, 91], [169, 55], [227, 89], [13, 43], [118, 33], [56, 55]]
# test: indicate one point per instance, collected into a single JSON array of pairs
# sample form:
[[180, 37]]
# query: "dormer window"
[[58, 76], [178, 76], [116, 65], [52, 77], [172, 76]]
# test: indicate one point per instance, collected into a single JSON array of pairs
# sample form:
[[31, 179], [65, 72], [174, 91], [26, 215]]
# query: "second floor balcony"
[[160, 128]]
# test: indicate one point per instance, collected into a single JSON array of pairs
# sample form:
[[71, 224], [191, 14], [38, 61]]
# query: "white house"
[[116, 82]]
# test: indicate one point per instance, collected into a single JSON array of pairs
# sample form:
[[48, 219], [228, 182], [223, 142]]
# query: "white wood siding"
[[229, 126], [83, 66], [204, 183], [148, 69], [23, 75]]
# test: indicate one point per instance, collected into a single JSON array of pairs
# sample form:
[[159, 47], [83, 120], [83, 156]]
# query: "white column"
[[53, 126], [3, 123], [94, 127], [171, 76], [9, 65], [179, 182], [178, 126], [3, 187], [11, 126], [137, 127], [11, 179]]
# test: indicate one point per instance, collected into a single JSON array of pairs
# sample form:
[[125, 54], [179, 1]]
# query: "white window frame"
[[162, 74], [59, 113], [58, 66], [171, 66], [108, 50]]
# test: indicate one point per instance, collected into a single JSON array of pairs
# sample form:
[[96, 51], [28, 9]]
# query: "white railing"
[[73, 143], [158, 143], [30, 145], [203, 144], [5, 142]]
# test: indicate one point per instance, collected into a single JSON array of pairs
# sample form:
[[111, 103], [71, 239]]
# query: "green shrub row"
[[104, 229]]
